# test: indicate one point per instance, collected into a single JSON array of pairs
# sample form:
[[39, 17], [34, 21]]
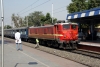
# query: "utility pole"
[[52, 13], [2, 18]]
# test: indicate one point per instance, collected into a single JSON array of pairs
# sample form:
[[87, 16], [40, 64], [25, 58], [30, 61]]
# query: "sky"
[[24, 7]]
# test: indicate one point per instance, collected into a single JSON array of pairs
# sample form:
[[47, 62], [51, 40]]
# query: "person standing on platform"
[[37, 43], [18, 41]]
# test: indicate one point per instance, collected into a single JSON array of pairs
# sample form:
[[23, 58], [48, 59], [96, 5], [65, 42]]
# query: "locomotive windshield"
[[67, 26], [73, 26]]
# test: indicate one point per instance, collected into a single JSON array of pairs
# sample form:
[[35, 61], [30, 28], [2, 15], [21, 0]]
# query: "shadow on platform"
[[5, 42], [30, 63]]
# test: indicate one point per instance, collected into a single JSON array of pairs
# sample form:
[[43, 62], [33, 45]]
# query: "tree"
[[14, 19], [7, 27], [47, 19], [80, 5], [18, 21], [30, 20], [77, 5], [43, 19], [35, 18], [93, 3]]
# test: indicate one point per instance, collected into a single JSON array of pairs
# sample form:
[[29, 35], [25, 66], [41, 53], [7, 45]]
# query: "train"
[[61, 34]]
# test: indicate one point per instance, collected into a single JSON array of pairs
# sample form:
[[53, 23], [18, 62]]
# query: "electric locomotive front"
[[68, 37]]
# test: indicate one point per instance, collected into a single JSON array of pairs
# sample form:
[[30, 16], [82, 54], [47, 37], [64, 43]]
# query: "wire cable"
[[28, 6], [59, 8], [36, 6], [31, 8]]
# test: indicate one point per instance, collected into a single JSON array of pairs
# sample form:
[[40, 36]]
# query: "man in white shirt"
[[18, 41]]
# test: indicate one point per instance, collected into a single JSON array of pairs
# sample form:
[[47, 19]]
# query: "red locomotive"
[[61, 35]]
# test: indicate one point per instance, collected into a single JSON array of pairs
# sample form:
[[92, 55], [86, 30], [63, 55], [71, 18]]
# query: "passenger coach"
[[11, 32]]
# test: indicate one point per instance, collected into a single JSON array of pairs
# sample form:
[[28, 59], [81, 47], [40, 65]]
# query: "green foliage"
[[17, 20], [33, 19], [48, 19], [7, 27], [93, 3], [80, 5]]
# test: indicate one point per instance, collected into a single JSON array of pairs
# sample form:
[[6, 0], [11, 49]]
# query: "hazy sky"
[[24, 7]]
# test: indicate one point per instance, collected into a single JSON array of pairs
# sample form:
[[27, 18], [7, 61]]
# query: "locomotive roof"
[[16, 28], [53, 25], [42, 26], [21, 28], [66, 23]]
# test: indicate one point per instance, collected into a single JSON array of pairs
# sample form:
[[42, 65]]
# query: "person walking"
[[18, 41], [37, 43]]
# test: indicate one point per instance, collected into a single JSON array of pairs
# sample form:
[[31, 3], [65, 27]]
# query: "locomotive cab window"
[[66, 26], [73, 26]]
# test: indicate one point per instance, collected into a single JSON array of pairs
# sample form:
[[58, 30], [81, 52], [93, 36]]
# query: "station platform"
[[31, 57], [95, 43], [93, 46]]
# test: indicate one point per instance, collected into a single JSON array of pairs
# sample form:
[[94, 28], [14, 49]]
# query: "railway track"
[[87, 53]]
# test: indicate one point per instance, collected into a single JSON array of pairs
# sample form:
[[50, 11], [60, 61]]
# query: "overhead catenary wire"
[[31, 8], [54, 12], [36, 6], [24, 9], [57, 8], [28, 6], [21, 12]]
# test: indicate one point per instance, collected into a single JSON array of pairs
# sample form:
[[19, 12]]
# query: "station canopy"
[[83, 14]]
